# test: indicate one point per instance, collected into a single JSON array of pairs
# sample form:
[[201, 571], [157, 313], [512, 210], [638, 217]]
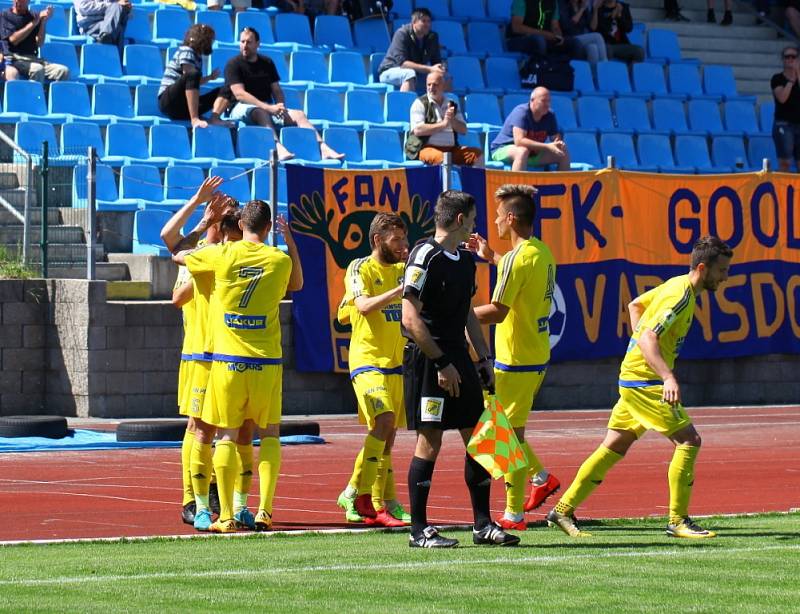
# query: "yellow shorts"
[[516, 391], [184, 386], [379, 393], [238, 392], [641, 409]]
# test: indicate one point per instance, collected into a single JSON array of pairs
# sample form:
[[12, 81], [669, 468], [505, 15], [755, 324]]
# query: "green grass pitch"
[[627, 565]]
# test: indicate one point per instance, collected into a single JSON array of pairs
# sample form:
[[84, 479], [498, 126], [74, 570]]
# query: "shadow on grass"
[[587, 544]]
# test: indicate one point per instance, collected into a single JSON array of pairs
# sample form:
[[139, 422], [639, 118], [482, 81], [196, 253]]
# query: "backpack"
[[553, 72]]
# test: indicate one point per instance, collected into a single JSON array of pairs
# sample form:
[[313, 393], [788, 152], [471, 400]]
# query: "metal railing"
[[25, 216]]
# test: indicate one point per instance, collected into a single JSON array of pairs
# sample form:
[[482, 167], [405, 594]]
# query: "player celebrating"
[[649, 394], [520, 307], [245, 380], [372, 302], [441, 384]]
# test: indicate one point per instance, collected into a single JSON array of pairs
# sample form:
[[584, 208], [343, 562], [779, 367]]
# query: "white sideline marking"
[[370, 566]]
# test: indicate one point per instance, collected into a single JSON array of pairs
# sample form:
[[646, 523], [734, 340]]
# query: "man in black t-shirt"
[[252, 81], [23, 32], [442, 387], [786, 127]]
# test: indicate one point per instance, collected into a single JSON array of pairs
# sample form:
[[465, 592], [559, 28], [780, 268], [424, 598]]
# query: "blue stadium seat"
[[347, 141], [138, 30], [621, 147], [219, 57], [254, 142], [632, 114], [760, 147], [685, 79], [171, 141], [728, 151], [741, 115], [472, 10], [261, 185], [484, 37], [77, 137], [583, 149], [144, 61], [704, 118], [595, 112], [375, 60], [58, 29], [25, 100], [692, 150], [371, 34], [385, 144], [128, 141], [398, 107], [655, 150], [302, 142], [147, 227], [293, 98], [30, 135], [181, 182], [482, 112], [669, 116], [143, 183], [766, 114], [637, 36], [106, 193], [310, 68], [503, 74], [65, 54], [221, 22], [170, 26], [402, 9], [215, 142], [348, 66], [719, 81], [513, 100], [613, 76], [295, 29], [499, 9], [113, 100], [563, 109], [584, 81], [147, 104], [72, 99], [194, 219], [451, 39], [103, 61], [648, 78], [365, 106], [468, 76], [325, 108], [333, 32], [237, 182], [663, 46], [259, 21], [278, 57], [440, 9]]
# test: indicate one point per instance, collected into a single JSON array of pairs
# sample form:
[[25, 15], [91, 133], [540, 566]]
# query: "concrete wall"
[[65, 350]]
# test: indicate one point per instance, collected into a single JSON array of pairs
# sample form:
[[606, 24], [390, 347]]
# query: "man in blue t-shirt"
[[522, 142]]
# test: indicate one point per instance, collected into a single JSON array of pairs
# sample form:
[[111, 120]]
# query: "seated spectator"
[[435, 124], [575, 22], [612, 19], [414, 51], [179, 95], [523, 139], [534, 30], [727, 17], [103, 20], [23, 32], [252, 83]]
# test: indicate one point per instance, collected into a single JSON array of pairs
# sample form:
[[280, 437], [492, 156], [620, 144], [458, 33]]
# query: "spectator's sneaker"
[[727, 19], [245, 520], [510, 524], [384, 519], [567, 523], [263, 521], [540, 493], [397, 511], [223, 526], [348, 504], [203, 520], [188, 512], [213, 498], [711, 16], [364, 507], [493, 535], [430, 538], [690, 529]]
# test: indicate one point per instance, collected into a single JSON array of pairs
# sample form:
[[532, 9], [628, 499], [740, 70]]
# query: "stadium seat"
[[295, 29], [138, 30], [64, 53], [584, 81], [398, 106], [261, 184], [30, 135], [503, 74], [613, 76], [648, 78], [255, 142], [499, 9], [181, 182], [278, 57], [704, 118], [58, 29], [102, 62], [219, 57], [147, 104], [719, 81], [663, 46], [77, 137], [482, 112], [128, 141], [325, 108], [583, 149], [637, 36], [451, 39], [72, 99], [760, 147], [440, 9], [194, 219], [170, 26], [237, 182], [514, 100], [364, 106], [692, 150], [348, 66], [333, 32], [741, 115], [669, 116], [471, 10], [468, 76], [310, 68], [766, 114], [302, 142], [485, 37], [216, 142], [221, 22], [346, 141], [386, 144], [371, 34], [258, 21], [113, 100], [171, 141], [655, 151], [728, 151], [402, 9], [685, 79], [106, 193], [147, 227], [632, 114], [595, 112], [143, 183], [143, 61], [25, 100], [621, 147], [375, 60], [563, 109]]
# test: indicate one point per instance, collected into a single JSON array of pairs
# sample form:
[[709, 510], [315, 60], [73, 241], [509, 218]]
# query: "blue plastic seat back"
[[31, 134], [77, 137], [668, 114], [583, 148], [24, 97], [440, 9], [451, 36], [57, 24], [302, 142], [663, 44], [220, 21], [371, 34], [502, 73], [293, 28], [684, 79], [126, 140], [621, 147], [141, 181], [170, 24], [182, 182], [112, 99], [632, 114], [562, 108], [279, 59], [482, 108], [213, 142], [649, 78], [741, 115], [398, 106], [105, 184], [100, 60], [262, 183], [499, 8], [513, 100], [324, 104], [333, 31], [692, 151], [220, 57], [719, 81], [347, 66], [147, 225], [655, 150], [766, 113], [364, 105], [595, 112], [62, 53], [138, 28], [258, 21], [402, 9], [143, 60], [171, 141], [466, 73], [255, 142], [728, 151], [147, 101], [308, 66], [70, 97], [237, 182], [383, 144], [704, 116], [613, 77], [760, 147], [484, 36], [584, 81], [346, 141], [473, 9]]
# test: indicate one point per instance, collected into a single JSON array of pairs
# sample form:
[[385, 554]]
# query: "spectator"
[[727, 17], [612, 19], [792, 13], [252, 83], [672, 11], [575, 22], [435, 124], [523, 139], [534, 30], [786, 127], [414, 51], [179, 95], [23, 32], [238, 5], [103, 20], [7, 72]]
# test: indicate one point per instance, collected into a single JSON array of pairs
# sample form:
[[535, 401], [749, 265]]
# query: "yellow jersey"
[[375, 343], [526, 280], [250, 280], [669, 310], [187, 313]]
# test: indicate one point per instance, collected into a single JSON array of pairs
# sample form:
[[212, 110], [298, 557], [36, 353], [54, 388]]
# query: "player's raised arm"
[[171, 233], [296, 277]]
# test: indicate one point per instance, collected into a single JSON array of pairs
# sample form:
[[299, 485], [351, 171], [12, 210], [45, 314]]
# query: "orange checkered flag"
[[494, 444]]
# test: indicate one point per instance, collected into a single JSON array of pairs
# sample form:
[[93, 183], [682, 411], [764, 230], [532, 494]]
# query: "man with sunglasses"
[[786, 127]]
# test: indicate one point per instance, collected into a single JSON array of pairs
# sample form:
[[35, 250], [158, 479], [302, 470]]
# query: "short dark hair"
[[449, 205], [383, 223], [256, 215], [230, 222], [519, 200], [419, 13], [707, 249], [252, 31], [200, 37]]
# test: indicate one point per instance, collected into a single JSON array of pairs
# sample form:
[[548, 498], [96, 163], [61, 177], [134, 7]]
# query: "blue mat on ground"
[[82, 439]]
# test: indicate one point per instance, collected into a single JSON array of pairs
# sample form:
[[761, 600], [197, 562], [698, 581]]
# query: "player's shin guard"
[[515, 491], [201, 468], [590, 476], [379, 485], [356, 477], [269, 467], [534, 464], [373, 451], [681, 479], [245, 476], [226, 466], [479, 483], [186, 466], [420, 472]]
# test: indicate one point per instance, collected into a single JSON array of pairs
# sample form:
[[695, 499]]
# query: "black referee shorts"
[[427, 404]]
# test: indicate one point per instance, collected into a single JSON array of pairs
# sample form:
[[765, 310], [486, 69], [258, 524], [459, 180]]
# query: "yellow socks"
[[201, 467], [186, 466], [226, 465], [269, 466], [389, 489], [379, 485], [590, 476], [373, 451], [515, 491], [356, 477], [534, 464], [245, 477], [681, 479]]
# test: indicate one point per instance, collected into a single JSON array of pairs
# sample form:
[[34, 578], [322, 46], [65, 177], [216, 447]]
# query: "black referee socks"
[[479, 483], [420, 472]]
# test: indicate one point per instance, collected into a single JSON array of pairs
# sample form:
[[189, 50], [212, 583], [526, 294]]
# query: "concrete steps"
[[108, 271], [66, 253], [53, 217], [56, 234]]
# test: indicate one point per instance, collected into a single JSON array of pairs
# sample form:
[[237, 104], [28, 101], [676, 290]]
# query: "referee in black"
[[442, 385]]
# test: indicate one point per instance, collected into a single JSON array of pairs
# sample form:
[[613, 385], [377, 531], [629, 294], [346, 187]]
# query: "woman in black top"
[[786, 128]]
